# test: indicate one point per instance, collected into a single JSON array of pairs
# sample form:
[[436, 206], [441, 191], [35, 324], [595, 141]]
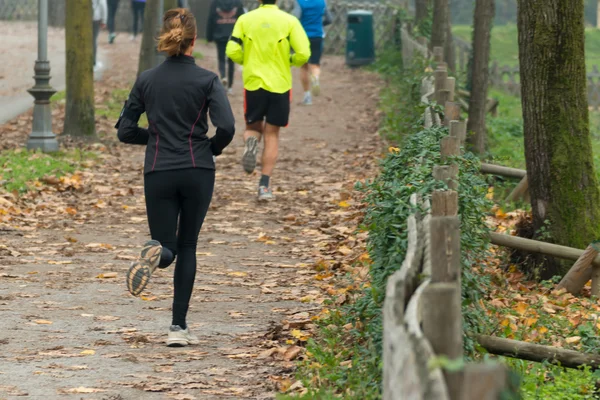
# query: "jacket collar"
[[182, 59], [269, 6]]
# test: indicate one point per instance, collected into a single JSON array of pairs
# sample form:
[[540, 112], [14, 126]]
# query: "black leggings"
[[223, 59], [113, 5], [182, 194], [138, 14]]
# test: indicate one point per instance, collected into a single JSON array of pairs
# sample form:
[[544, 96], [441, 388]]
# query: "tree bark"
[[598, 15], [560, 168], [450, 48], [439, 25], [148, 54], [79, 113], [422, 10], [482, 32], [537, 352], [170, 4]]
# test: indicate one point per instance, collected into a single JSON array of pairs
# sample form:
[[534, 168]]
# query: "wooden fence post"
[[444, 203], [442, 325], [459, 130], [438, 54], [484, 381], [447, 174], [444, 234]]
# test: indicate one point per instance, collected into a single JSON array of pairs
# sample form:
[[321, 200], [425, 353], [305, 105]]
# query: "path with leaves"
[[71, 330]]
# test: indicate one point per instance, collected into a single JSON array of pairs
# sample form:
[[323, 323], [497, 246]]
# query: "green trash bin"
[[360, 40]]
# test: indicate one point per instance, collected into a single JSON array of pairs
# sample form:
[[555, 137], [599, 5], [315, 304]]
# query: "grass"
[[505, 133], [22, 169], [505, 44]]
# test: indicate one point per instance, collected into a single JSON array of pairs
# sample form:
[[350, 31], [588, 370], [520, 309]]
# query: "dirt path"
[[70, 328]]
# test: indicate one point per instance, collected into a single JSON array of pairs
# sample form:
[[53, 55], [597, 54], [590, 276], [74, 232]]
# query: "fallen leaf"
[[107, 275], [42, 322], [573, 339], [88, 352], [291, 353], [82, 389]]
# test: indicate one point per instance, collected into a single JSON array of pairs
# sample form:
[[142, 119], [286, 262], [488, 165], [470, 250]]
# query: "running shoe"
[[141, 270], [179, 337], [111, 37], [230, 91], [307, 99], [249, 157], [315, 86], [265, 194], [224, 82]]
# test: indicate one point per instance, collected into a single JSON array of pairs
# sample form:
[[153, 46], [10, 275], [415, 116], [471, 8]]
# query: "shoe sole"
[[177, 343], [249, 157], [141, 270]]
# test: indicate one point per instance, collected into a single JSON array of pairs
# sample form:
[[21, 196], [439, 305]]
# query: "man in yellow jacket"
[[261, 42]]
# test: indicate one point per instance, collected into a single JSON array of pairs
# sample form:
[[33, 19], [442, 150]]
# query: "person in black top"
[[179, 168], [221, 19]]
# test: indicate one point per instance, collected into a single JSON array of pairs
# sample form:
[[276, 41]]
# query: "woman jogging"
[[179, 168], [221, 19]]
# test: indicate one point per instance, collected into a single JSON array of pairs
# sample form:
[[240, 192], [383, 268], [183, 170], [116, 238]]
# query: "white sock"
[[307, 93]]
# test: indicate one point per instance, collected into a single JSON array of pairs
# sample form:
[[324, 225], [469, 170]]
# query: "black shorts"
[[316, 49], [261, 105]]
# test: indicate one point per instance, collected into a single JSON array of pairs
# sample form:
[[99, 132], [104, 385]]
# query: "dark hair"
[[178, 31], [269, 1]]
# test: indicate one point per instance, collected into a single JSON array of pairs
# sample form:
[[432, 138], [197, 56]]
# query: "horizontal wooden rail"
[[538, 352], [534, 246], [500, 170]]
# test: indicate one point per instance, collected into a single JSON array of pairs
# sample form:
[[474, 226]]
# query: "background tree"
[[439, 26], [422, 8], [482, 32], [449, 48], [560, 167], [148, 55], [79, 114]]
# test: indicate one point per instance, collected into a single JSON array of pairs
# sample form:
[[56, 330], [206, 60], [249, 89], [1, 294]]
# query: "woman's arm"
[[127, 125], [221, 117]]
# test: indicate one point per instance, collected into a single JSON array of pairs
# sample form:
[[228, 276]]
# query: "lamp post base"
[[42, 137]]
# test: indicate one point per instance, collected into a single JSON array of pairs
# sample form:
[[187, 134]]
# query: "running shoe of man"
[[179, 337], [141, 270], [265, 194], [249, 157]]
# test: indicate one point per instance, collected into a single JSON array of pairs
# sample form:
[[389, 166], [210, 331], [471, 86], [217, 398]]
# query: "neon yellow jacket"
[[261, 41]]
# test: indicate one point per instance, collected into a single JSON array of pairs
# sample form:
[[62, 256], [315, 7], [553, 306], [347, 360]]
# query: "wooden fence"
[[422, 311], [507, 77]]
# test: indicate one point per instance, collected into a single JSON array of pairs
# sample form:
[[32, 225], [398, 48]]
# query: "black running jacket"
[[176, 97]]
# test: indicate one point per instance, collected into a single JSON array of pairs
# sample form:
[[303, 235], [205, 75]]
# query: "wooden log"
[[459, 130], [537, 352], [449, 146], [451, 86], [444, 203], [484, 381], [442, 326], [444, 236], [438, 54], [447, 174], [500, 170], [581, 272], [534, 246], [451, 112], [518, 193]]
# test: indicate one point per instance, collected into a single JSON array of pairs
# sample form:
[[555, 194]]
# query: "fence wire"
[[18, 10]]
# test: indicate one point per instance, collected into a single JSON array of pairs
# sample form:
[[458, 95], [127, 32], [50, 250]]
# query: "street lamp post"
[[41, 136]]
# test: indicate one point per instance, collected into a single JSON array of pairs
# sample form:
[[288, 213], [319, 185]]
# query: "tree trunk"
[[79, 113], [439, 26], [422, 10], [598, 15], [450, 48], [170, 4], [482, 32], [558, 152], [200, 8], [148, 54]]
